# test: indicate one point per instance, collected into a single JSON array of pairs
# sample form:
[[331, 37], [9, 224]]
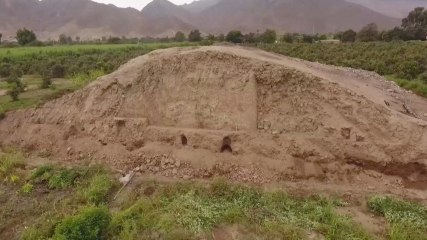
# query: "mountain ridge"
[[89, 20]]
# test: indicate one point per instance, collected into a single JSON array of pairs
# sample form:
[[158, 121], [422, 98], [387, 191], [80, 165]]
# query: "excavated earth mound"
[[231, 112]]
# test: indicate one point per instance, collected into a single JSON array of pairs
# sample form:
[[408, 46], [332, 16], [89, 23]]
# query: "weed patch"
[[89, 224], [407, 220]]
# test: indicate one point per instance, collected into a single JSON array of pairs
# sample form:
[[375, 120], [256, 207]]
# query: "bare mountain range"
[[87, 19]]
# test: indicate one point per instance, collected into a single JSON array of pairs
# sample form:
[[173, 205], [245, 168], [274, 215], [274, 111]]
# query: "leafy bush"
[[408, 220], [58, 71], [9, 161], [42, 174], [98, 188], [2, 113], [27, 188], [89, 224], [64, 178], [5, 69]]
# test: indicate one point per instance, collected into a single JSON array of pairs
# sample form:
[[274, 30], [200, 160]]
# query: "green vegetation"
[[408, 221], [403, 62], [98, 188], [25, 36], [89, 224], [43, 69], [10, 162], [196, 210], [76, 203]]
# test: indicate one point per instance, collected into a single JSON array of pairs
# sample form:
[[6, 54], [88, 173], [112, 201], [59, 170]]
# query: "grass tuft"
[[407, 220], [89, 224]]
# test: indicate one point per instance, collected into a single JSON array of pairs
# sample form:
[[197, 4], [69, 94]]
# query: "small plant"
[[42, 174], [14, 93], [27, 188], [58, 71], [89, 224], [8, 163], [408, 220], [98, 189], [2, 113], [64, 178], [46, 80]]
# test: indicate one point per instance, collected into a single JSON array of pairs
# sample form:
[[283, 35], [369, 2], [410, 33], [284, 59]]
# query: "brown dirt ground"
[[292, 124]]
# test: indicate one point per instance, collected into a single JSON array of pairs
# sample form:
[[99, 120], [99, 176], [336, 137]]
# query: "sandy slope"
[[291, 123]]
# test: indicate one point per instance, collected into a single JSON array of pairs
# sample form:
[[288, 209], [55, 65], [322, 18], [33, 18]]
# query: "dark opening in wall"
[[184, 140], [226, 145]]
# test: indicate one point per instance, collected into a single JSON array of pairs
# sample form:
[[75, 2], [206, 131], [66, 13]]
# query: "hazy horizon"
[[138, 4]]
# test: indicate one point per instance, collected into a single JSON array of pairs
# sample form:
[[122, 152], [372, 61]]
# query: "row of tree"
[[414, 27]]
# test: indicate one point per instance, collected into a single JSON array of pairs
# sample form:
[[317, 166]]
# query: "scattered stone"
[[186, 177], [175, 171]]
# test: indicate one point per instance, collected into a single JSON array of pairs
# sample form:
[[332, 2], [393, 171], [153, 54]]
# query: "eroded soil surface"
[[239, 113]]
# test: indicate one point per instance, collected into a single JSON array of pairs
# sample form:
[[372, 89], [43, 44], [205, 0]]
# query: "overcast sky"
[[138, 4]]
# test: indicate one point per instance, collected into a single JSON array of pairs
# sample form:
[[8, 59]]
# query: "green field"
[[80, 63], [402, 62]]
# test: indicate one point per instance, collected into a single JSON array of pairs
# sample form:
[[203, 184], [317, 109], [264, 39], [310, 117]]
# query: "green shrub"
[[42, 174], [64, 178], [423, 77], [408, 220], [5, 69], [89, 224], [27, 188], [10, 161], [98, 189], [2, 113], [58, 71]]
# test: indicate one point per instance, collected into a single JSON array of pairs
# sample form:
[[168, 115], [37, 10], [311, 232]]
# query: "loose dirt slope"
[[288, 122]]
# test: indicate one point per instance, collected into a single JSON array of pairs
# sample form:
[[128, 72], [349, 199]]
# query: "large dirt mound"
[[179, 113]]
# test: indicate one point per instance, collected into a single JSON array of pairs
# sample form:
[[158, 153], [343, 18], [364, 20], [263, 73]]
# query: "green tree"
[[348, 36], [46, 80], [211, 37], [250, 38], [307, 38], [25, 36], [289, 38], [234, 37], [195, 36], [415, 24], [63, 39], [17, 87], [179, 37], [269, 36], [221, 38], [369, 33]]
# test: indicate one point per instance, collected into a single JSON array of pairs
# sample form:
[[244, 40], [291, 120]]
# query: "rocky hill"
[[87, 19]]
